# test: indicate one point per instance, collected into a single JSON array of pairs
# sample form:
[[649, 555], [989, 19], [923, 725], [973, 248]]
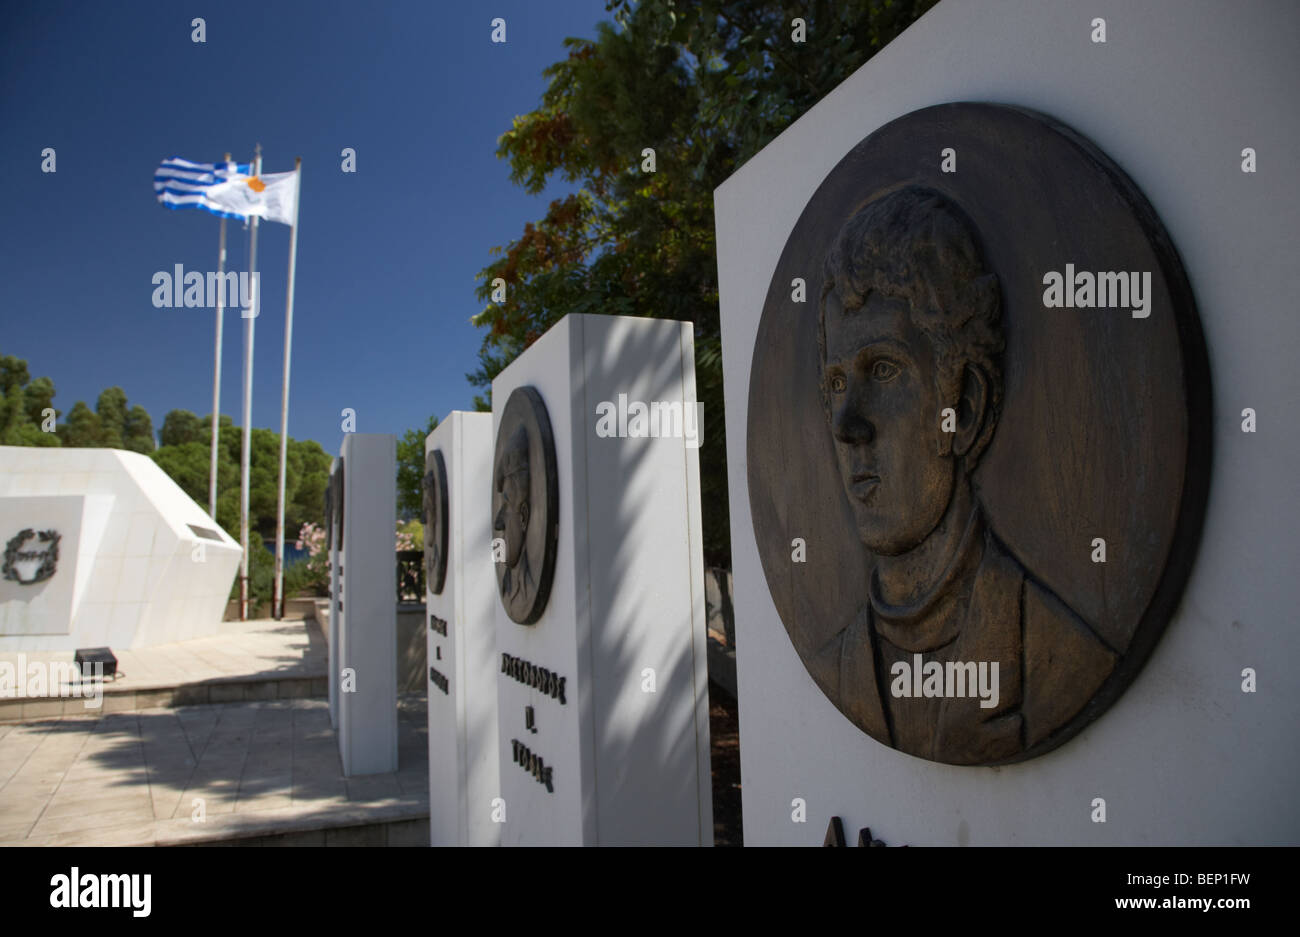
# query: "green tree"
[[182, 426], [186, 460], [184, 454], [111, 410], [187, 464], [137, 431], [81, 431], [410, 470], [22, 405], [706, 84], [112, 425]]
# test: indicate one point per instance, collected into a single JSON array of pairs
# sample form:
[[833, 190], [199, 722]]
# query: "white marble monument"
[[464, 785], [603, 697], [1194, 751], [365, 667], [118, 555]]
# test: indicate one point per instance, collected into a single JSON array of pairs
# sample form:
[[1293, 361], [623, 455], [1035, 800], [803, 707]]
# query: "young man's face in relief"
[[885, 417]]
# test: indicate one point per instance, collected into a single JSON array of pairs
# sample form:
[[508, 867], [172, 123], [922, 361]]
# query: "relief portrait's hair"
[[916, 244], [430, 503], [514, 459]]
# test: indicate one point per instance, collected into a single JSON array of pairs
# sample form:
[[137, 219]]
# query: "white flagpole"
[[250, 318], [216, 371], [277, 606]]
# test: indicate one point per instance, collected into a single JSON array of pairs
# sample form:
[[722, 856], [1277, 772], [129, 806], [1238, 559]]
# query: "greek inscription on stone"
[[438, 680], [539, 678], [533, 763]]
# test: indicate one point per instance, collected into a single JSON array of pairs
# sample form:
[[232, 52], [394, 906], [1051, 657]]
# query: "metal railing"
[[410, 575]]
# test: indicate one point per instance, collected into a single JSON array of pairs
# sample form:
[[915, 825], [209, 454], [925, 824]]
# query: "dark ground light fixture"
[[87, 657]]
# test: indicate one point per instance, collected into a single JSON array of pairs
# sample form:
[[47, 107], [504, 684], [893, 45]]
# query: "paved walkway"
[[198, 773], [275, 658]]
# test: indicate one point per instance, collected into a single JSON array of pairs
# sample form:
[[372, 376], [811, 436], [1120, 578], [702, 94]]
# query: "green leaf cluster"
[[705, 84], [185, 455], [410, 469]]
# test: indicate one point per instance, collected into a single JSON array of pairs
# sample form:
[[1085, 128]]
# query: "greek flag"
[[229, 190]]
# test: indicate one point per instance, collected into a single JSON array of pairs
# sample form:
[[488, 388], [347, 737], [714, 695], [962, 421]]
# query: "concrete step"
[[402, 825], [244, 662], [126, 699]]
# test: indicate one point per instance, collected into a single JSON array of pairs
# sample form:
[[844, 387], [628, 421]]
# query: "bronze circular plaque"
[[978, 442], [525, 506], [435, 521], [328, 523], [338, 500]]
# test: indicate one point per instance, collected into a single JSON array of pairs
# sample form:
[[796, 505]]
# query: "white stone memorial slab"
[[603, 699], [139, 563], [367, 633], [463, 777]]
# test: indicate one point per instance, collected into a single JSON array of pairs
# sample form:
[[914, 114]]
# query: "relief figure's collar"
[[927, 623]]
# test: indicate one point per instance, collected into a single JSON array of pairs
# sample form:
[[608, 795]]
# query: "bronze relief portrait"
[[999, 498], [434, 485], [328, 504], [336, 503], [525, 506]]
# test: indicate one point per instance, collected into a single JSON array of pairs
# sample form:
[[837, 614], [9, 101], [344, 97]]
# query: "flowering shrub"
[[313, 573]]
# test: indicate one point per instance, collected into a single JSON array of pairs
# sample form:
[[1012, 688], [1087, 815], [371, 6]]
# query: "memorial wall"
[[602, 683], [1006, 330], [103, 549]]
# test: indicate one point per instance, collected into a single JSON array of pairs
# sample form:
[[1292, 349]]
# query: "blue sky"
[[386, 257]]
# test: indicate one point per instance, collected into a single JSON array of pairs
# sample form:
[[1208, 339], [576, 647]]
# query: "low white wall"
[[139, 562]]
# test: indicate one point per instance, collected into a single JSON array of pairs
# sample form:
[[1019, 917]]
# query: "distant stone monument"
[[363, 674], [100, 548], [601, 675], [465, 805]]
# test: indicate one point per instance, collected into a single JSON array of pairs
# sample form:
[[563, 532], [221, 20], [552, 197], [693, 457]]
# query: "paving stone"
[[373, 787], [355, 836], [15, 810], [64, 805], [151, 699], [291, 689], [42, 788], [260, 690], [335, 791], [119, 703], [132, 776], [414, 832], [263, 802], [80, 824], [190, 694], [37, 709], [226, 693], [15, 832]]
